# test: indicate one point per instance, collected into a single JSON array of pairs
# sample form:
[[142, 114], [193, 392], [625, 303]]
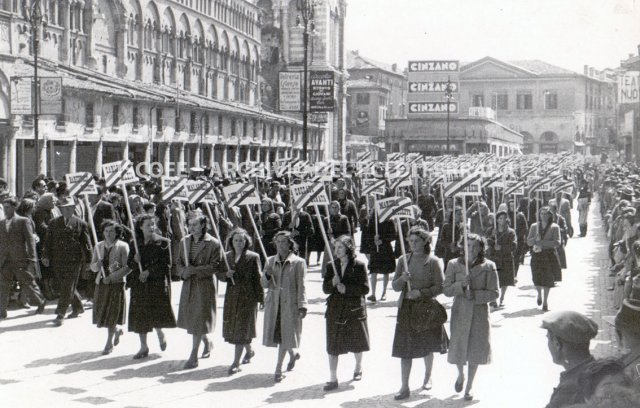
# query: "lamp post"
[[448, 93], [33, 14], [304, 20]]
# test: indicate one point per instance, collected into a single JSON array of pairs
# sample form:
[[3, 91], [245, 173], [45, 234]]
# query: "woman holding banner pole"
[[544, 237], [380, 252], [447, 245]]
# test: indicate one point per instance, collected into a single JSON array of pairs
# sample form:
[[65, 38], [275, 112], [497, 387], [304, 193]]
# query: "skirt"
[[150, 307], [545, 268], [409, 343], [109, 305]]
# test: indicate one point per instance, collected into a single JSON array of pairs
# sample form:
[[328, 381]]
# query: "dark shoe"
[[357, 376], [383, 297], [278, 377], [234, 369], [427, 385], [545, 308], [458, 385], [141, 354], [292, 362], [372, 298], [107, 351], [40, 309], [75, 314], [3, 314], [116, 338], [247, 358], [468, 396], [206, 353], [330, 386], [58, 321], [404, 394], [190, 364], [163, 344], [539, 301]]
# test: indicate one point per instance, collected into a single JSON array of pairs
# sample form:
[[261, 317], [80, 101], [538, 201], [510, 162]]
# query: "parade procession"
[[288, 203]]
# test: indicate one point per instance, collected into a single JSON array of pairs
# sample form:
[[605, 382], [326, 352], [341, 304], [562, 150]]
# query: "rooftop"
[[357, 61]]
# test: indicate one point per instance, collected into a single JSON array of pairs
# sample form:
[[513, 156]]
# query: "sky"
[[566, 33]]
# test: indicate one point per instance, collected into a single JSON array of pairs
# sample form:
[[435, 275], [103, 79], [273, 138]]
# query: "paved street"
[[63, 367]]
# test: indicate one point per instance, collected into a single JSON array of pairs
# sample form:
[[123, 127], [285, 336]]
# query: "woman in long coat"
[[544, 237], [503, 251], [381, 257], [150, 300], [425, 279], [241, 299], [285, 304], [346, 316], [197, 313], [521, 227], [109, 261], [470, 327]]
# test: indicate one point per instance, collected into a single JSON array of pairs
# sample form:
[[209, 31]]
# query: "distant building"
[[376, 92], [629, 107]]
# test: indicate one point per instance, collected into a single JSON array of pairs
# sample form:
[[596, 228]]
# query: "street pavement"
[[63, 367]]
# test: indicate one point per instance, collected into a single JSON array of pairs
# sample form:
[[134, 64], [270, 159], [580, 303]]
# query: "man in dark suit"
[[17, 257], [67, 249]]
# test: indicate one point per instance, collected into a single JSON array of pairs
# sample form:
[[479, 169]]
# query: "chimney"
[[394, 67], [591, 69], [586, 70]]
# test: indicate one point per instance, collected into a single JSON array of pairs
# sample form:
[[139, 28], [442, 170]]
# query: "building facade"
[[376, 92], [174, 82], [553, 108], [283, 46], [628, 75]]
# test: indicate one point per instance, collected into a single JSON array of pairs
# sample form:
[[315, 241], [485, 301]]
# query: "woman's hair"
[[241, 231], [26, 206], [268, 201], [201, 218], [112, 223], [349, 244], [424, 235], [453, 211], [334, 203], [499, 213], [481, 242], [140, 221], [542, 209], [293, 246]]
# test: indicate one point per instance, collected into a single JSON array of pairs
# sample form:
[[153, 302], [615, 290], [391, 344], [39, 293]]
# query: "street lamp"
[[33, 14], [448, 93], [304, 20]]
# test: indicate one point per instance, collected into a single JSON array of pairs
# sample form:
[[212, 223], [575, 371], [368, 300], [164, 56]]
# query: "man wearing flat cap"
[[67, 248], [569, 334]]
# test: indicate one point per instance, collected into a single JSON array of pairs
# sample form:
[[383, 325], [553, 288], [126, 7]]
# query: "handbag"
[[427, 313]]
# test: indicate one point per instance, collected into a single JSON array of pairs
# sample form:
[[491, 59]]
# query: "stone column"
[[66, 35], [125, 151], [180, 166], [196, 156], [42, 166], [166, 159], [99, 158], [212, 158], [12, 164], [284, 23], [73, 160], [224, 159]]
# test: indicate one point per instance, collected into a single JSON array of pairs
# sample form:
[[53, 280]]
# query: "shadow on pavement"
[[416, 401], [104, 364], [311, 392], [196, 375], [523, 313], [380, 304], [246, 382], [318, 300], [27, 326], [528, 287], [63, 360], [150, 371]]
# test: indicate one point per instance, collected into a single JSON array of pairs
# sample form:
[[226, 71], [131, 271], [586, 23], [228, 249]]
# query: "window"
[[477, 100], [116, 116], [362, 99], [220, 124], [88, 115], [524, 100], [134, 119], [61, 119], [500, 101], [233, 127], [206, 124], [159, 120], [244, 128], [550, 100], [176, 123], [192, 123]]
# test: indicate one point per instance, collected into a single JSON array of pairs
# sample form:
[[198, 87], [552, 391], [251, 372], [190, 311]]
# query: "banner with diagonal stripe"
[[464, 185], [240, 194], [173, 188], [567, 187], [528, 172], [494, 181], [200, 191], [120, 172], [403, 180], [81, 183], [306, 194], [542, 184], [373, 186], [400, 207], [364, 156], [514, 187], [324, 170]]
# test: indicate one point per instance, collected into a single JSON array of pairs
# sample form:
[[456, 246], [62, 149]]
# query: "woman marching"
[[504, 247], [414, 338], [110, 262], [347, 332], [197, 313], [470, 327], [544, 237], [150, 303], [242, 296]]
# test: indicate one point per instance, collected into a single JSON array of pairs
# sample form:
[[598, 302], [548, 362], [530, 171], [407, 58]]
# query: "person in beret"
[[568, 336]]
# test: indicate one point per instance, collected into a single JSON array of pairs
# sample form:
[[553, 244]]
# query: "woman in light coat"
[[285, 303], [472, 291]]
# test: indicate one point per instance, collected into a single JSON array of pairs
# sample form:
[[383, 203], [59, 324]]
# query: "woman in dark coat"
[[564, 233], [423, 281], [241, 299], [544, 237], [335, 225], [346, 316], [381, 257], [150, 301], [503, 247], [521, 228], [197, 313], [110, 263], [270, 225], [448, 236]]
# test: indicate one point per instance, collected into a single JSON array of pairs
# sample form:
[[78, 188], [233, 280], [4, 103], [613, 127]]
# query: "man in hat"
[[17, 257], [584, 200], [627, 324], [67, 249], [569, 334]]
